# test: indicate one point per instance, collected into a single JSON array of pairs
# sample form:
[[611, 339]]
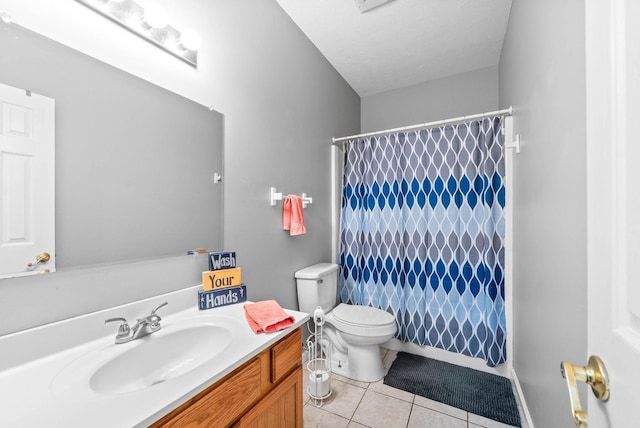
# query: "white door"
[[613, 186], [27, 186]]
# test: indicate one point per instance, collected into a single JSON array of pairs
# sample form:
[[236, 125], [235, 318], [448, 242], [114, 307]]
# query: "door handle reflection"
[[40, 258]]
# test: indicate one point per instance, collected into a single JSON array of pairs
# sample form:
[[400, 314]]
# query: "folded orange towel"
[[267, 316], [293, 215]]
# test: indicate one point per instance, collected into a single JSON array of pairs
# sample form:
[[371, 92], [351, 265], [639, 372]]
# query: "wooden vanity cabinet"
[[266, 391]]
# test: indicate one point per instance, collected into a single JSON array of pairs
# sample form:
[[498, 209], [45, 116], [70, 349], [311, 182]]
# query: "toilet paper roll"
[[319, 384]]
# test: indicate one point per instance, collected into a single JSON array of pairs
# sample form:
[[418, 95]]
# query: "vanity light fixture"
[[190, 39], [155, 16], [151, 23]]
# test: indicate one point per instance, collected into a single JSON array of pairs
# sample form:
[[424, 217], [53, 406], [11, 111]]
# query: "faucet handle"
[[155, 319], [124, 328], [153, 312]]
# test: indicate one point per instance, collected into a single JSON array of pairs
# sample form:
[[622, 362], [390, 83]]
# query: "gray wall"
[[282, 103], [542, 74], [463, 94], [279, 134]]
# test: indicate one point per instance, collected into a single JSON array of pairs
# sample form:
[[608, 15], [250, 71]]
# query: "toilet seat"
[[362, 315], [362, 320]]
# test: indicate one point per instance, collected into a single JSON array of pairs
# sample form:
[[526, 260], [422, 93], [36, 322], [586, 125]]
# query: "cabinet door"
[[220, 406], [282, 408]]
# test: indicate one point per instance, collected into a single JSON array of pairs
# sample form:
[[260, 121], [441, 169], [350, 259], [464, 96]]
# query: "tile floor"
[[356, 404]]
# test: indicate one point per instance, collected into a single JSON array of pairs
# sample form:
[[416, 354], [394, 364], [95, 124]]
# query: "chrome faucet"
[[143, 327]]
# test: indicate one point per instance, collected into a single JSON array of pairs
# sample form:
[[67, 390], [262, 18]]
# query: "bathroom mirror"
[[137, 167]]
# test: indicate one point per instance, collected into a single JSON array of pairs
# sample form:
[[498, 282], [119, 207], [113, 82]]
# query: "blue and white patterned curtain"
[[422, 234]]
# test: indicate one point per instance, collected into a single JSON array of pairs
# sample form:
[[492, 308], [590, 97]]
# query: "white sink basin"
[[159, 359], [173, 351]]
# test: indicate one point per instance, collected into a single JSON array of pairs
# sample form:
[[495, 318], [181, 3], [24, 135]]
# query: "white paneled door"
[[613, 186], [27, 183]]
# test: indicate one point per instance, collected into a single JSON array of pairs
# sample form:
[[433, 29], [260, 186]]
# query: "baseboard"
[[524, 410]]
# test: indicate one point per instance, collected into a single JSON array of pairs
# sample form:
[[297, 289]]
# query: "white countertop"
[[33, 393]]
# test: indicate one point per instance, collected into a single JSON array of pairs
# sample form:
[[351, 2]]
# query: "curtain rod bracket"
[[515, 144]]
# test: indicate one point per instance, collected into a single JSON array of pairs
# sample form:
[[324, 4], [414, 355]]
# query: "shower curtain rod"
[[504, 112]]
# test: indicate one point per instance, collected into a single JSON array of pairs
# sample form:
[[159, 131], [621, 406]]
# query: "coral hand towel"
[[293, 215], [267, 316]]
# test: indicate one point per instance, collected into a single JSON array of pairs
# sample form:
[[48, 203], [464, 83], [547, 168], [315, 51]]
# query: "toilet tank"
[[317, 286]]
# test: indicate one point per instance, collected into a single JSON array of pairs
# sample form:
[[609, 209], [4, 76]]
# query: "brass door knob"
[[40, 258], [595, 374]]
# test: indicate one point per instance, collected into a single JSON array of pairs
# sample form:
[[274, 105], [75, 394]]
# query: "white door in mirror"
[[27, 183]]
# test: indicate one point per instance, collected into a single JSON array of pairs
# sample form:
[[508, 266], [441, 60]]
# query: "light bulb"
[[155, 16], [190, 39]]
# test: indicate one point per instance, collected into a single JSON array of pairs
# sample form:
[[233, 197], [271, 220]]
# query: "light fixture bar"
[[366, 5], [131, 16]]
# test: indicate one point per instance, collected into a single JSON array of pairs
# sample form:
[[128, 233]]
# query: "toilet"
[[352, 333]]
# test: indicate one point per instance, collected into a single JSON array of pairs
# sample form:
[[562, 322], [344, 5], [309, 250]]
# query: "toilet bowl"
[[353, 333]]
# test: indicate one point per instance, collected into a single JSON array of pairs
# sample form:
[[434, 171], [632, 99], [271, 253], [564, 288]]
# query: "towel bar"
[[277, 196]]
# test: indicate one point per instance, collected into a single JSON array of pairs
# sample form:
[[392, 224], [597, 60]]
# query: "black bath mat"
[[477, 392]]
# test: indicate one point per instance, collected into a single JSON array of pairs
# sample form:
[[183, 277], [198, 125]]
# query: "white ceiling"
[[403, 42]]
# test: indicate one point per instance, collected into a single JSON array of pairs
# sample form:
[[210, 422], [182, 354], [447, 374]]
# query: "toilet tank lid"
[[316, 271]]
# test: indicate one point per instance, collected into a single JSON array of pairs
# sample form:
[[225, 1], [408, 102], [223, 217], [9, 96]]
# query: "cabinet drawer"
[[286, 355], [221, 406]]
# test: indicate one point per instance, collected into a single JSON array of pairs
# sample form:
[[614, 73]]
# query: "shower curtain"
[[422, 234]]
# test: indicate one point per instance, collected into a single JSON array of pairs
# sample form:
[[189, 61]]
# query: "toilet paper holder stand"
[[319, 364]]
